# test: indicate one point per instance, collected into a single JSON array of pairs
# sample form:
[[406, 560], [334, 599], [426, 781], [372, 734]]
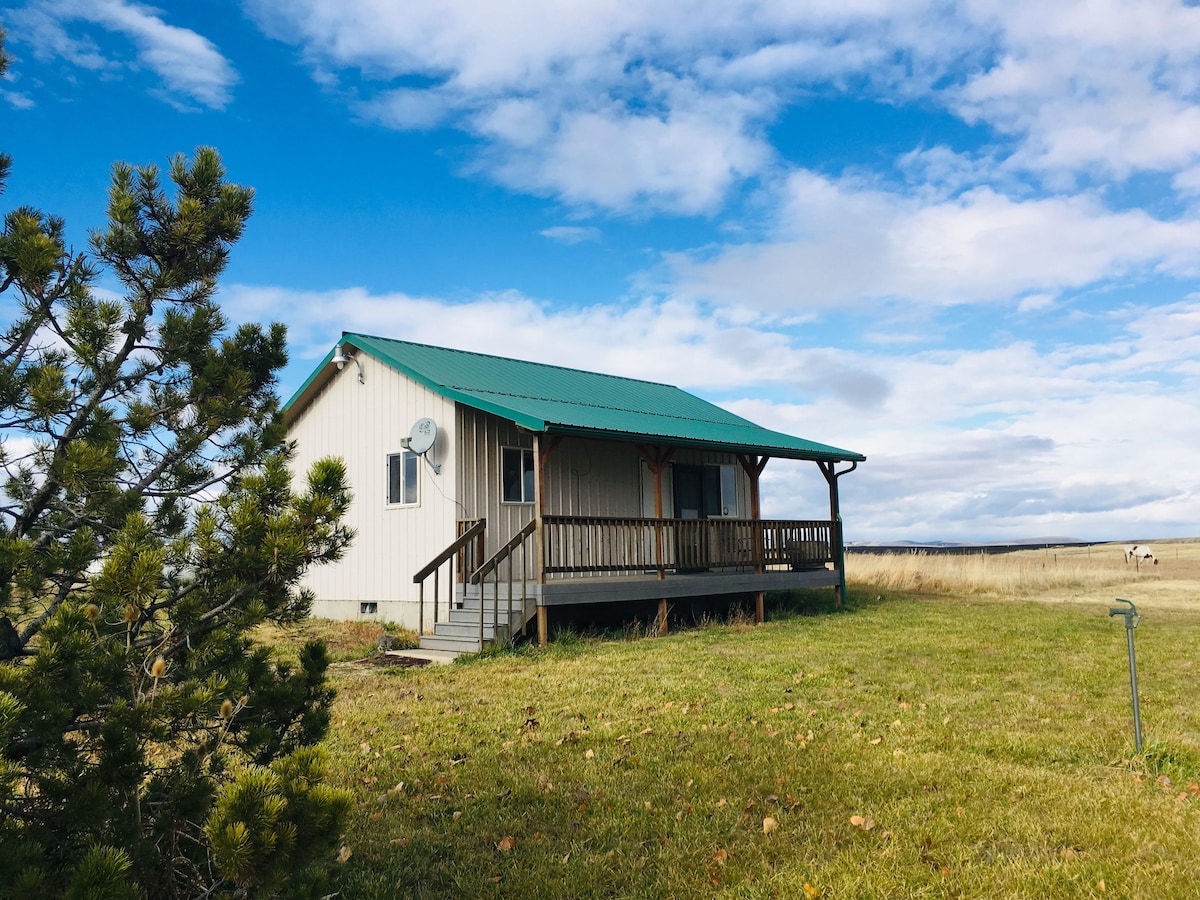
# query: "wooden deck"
[[557, 561], [648, 586]]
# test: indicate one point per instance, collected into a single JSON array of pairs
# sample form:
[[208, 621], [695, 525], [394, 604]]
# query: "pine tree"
[[148, 522]]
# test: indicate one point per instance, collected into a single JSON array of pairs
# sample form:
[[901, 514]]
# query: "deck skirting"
[[622, 589]]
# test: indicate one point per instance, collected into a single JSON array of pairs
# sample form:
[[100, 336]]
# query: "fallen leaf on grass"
[[866, 823], [770, 824], [810, 891], [876, 740], [505, 844], [589, 754], [344, 854], [721, 857]]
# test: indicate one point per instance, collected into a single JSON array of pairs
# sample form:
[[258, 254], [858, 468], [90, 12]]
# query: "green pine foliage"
[[148, 522]]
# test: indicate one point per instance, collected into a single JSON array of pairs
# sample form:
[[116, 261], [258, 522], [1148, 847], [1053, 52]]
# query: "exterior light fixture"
[[340, 359]]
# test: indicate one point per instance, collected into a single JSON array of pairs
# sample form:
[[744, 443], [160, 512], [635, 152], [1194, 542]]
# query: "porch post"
[[837, 549], [753, 466], [657, 468], [656, 461], [539, 498]]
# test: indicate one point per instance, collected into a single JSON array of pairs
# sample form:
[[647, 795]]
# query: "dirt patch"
[[385, 661]]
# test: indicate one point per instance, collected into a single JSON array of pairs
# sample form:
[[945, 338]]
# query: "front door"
[[697, 495]]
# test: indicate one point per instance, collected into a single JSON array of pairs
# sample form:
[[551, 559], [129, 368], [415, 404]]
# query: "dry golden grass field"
[[1057, 575]]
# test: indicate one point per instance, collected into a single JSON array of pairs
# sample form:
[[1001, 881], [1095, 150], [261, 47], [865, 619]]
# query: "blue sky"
[[960, 238]]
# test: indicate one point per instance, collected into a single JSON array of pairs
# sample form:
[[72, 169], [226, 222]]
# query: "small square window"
[[402, 472], [368, 609], [516, 475]]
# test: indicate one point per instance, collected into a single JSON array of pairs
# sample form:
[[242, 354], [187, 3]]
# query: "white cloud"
[[680, 94], [571, 234], [669, 341], [684, 163], [1109, 87], [1083, 440], [841, 243], [17, 100], [190, 65], [1062, 449]]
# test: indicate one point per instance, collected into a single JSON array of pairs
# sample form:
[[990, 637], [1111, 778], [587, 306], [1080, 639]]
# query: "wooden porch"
[[587, 559], [557, 559]]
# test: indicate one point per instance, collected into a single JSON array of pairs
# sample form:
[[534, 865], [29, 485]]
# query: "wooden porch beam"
[[656, 460], [540, 454], [753, 465], [836, 548]]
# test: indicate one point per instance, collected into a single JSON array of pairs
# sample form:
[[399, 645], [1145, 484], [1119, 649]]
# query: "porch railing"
[[594, 545], [506, 558], [465, 548]]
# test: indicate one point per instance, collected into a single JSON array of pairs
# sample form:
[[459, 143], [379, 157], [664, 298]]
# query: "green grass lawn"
[[904, 747]]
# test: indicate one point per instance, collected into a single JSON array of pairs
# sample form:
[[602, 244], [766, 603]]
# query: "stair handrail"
[[492, 567], [432, 568]]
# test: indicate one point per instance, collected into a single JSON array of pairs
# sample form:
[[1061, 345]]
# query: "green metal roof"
[[556, 400]]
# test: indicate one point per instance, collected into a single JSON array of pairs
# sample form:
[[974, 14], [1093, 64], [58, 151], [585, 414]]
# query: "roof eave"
[[317, 379], [834, 454], [321, 376]]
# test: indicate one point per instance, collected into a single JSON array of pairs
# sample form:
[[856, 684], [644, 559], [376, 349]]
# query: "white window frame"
[[409, 464], [729, 502], [528, 485]]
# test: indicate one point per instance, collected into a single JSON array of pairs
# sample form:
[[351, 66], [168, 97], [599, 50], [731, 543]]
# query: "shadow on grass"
[[580, 627]]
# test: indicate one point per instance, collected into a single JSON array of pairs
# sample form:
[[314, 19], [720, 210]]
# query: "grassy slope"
[[986, 745]]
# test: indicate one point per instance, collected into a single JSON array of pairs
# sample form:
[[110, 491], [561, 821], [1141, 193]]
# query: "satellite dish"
[[422, 436]]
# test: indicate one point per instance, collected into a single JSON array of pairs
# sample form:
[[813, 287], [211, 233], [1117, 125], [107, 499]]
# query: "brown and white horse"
[[1140, 552]]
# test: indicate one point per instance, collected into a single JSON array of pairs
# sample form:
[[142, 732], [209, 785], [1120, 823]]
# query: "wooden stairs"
[[460, 632]]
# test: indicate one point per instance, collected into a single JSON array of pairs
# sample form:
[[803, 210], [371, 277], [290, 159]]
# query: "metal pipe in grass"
[[1131, 622]]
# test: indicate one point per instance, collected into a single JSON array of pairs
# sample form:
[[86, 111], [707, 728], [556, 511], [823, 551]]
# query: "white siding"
[[362, 424]]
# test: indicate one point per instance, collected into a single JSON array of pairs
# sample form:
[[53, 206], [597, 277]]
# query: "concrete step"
[[434, 657], [452, 644]]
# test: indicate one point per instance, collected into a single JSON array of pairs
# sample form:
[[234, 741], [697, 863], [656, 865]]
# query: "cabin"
[[489, 492]]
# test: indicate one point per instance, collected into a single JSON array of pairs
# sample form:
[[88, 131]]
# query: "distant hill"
[[967, 546]]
